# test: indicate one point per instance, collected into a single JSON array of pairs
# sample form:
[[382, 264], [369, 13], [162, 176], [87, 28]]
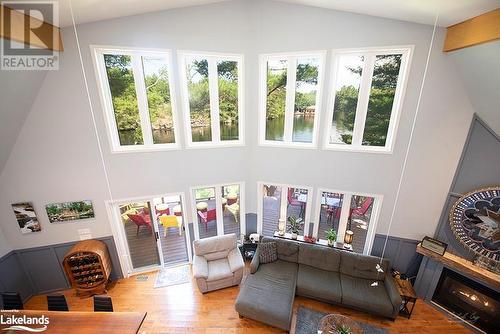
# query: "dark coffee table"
[[331, 322]]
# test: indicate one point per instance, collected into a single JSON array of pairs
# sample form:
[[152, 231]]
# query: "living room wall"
[[56, 156]]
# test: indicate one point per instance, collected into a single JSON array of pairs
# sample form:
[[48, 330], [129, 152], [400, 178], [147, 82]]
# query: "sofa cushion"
[[321, 257], [268, 252], [288, 250], [362, 266], [358, 293], [214, 248], [218, 269], [267, 295], [320, 284]]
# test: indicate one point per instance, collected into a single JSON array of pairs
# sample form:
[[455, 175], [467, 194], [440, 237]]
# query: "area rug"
[[172, 276], [308, 321]]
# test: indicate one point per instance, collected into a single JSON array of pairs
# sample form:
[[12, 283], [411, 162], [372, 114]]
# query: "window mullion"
[[290, 98], [142, 100], [344, 216], [363, 98], [218, 210], [213, 86]]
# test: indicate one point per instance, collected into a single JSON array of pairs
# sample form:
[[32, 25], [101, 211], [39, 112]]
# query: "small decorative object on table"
[[295, 226], [281, 226], [310, 239], [349, 235], [331, 236], [434, 245], [336, 323]]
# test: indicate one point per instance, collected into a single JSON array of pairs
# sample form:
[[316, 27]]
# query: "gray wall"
[[478, 167], [38, 270]]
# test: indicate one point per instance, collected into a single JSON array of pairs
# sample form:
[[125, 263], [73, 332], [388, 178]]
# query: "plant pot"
[[294, 236], [331, 243]]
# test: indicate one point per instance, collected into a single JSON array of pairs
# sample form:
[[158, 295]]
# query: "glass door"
[[141, 235], [206, 212]]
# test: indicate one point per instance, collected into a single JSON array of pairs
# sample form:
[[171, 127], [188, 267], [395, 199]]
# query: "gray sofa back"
[[320, 257], [287, 250], [362, 266]]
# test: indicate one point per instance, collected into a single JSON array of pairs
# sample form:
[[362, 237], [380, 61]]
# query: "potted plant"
[[295, 226], [331, 236]]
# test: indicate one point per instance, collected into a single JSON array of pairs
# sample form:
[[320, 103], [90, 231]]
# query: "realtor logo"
[[29, 35], [14, 321]]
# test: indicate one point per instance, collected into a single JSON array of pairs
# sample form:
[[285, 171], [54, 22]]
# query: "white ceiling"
[[420, 11]]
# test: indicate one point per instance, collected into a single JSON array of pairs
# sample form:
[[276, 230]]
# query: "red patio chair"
[[207, 216], [361, 210], [140, 220]]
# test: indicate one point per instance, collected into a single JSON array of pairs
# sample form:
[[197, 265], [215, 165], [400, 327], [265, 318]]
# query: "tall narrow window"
[[212, 96], [136, 92], [366, 98], [291, 95]]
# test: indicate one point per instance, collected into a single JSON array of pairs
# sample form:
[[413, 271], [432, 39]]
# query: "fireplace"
[[469, 300]]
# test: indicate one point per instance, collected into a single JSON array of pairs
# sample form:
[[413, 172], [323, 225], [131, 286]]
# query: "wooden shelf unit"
[[88, 266]]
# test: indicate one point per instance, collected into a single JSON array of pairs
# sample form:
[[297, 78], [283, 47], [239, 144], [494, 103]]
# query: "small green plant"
[[331, 235], [295, 224], [343, 329]]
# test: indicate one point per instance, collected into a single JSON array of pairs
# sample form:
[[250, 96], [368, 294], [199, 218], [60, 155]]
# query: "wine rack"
[[88, 266]]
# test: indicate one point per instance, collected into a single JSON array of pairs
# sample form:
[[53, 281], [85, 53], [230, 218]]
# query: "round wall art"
[[475, 221]]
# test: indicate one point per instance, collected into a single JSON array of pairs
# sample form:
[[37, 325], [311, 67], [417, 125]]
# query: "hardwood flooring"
[[183, 309]]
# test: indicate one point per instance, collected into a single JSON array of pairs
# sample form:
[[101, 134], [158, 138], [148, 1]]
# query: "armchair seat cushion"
[[218, 269], [358, 293], [319, 284]]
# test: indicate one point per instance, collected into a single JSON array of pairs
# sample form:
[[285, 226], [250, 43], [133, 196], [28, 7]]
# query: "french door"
[[150, 232], [218, 209]]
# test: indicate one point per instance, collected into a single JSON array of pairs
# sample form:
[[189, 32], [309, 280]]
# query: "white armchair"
[[217, 262]]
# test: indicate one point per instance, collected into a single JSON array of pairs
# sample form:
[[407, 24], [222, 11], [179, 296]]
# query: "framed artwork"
[[475, 221], [26, 217], [59, 212]]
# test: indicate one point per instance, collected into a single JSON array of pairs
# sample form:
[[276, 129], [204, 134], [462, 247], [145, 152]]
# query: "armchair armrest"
[[393, 293], [254, 265], [200, 267], [235, 260]]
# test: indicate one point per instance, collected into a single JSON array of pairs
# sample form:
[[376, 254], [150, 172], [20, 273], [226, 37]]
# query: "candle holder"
[[281, 226], [348, 236]]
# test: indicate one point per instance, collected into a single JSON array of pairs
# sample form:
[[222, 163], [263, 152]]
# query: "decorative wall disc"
[[475, 221]]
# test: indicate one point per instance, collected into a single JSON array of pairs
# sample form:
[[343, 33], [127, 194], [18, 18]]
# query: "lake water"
[[303, 126]]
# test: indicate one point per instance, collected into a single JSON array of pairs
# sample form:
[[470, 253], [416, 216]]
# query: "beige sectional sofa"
[[318, 272]]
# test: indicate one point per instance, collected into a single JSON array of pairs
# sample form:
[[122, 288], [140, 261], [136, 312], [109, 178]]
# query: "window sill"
[[358, 149], [144, 149], [280, 144]]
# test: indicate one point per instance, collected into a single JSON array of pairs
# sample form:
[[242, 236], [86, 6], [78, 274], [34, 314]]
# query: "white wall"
[[56, 156], [4, 245]]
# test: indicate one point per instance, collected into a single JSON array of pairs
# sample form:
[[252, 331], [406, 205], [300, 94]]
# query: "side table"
[[408, 296], [248, 249]]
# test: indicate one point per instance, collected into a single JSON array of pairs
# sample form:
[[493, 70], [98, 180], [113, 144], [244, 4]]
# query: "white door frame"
[[260, 196], [121, 239], [344, 215], [218, 207]]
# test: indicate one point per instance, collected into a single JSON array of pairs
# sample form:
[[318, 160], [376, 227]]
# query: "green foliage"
[[295, 224], [343, 329], [331, 235], [205, 193]]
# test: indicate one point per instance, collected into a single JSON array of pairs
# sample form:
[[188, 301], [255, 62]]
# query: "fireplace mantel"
[[463, 266]]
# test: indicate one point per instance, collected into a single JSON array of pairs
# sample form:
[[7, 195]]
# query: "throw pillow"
[[267, 252]]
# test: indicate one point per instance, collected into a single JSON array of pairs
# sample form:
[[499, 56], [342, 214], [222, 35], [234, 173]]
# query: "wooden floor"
[[183, 309]]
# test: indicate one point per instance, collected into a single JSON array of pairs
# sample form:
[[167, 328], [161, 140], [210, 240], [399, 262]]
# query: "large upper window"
[[367, 90], [212, 98], [136, 91], [290, 92]]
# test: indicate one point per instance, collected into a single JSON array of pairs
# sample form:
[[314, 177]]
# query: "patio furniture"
[[232, 198], [217, 262], [361, 210], [234, 209], [177, 210], [333, 213], [202, 206], [140, 220], [207, 216], [170, 221], [295, 202], [162, 209], [224, 203]]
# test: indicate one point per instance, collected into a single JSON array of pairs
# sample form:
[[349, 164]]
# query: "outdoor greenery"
[[276, 88], [385, 78]]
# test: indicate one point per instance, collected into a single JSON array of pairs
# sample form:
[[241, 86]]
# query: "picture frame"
[[68, 211], [434, 245], [26, 217]]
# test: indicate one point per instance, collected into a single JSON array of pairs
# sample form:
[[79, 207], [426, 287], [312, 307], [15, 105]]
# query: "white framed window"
[[212, 98], [290, 89], [218, 209], [344, 210], [277, 202], [367, 93], [138, 98]]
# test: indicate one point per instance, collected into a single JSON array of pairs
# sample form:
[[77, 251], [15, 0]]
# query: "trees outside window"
[[367, 94], [136, 92]]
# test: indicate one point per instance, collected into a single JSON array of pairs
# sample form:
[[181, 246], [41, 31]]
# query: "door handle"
[[157, 236]]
